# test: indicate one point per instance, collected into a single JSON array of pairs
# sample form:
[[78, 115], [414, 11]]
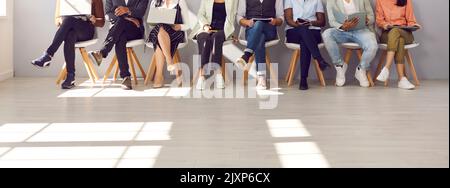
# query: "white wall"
[[34, 30], [6, 43]]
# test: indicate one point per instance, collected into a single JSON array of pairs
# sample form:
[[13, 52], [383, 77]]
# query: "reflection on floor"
[[43, 126]]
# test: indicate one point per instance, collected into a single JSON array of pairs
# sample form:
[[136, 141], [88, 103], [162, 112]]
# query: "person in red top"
[[392, 16]]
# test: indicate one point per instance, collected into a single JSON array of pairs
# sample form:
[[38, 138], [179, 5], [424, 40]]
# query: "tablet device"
[[161, 16], [362, 16], [262, 19], [75, 7], [407, 28]]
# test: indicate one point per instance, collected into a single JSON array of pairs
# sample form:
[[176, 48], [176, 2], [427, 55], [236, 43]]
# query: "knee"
[[371, 47], [219, 36], [68, 20], [328, 34], [259, 25]]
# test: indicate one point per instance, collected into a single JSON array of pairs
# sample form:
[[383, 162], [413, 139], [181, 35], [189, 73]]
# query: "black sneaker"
[[126, 83], [323, 65], [304, 84], [69, 83], [96, 56], [43, 61]]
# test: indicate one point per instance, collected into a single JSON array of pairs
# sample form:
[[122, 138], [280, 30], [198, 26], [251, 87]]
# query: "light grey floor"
[[41, 125]]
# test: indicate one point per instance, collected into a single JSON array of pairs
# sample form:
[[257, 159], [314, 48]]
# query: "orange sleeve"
[[410, 17], [381, 18]]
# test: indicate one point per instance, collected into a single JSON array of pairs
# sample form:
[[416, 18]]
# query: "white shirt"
[[350, 8], [126, 2], [304, 9]]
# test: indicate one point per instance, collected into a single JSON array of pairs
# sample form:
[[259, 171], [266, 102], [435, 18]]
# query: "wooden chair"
[[132, 61], [86, 60], [409, 59], [243, 42], [176, 59], [293, 65], [354, 47]]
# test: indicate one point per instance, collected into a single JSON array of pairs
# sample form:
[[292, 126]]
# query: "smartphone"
[[302, 21]]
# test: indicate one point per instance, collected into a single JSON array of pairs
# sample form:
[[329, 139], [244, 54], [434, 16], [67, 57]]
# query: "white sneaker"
[[201, 83], [241, 64], [220, 83], [405, 84], [340, 75], [361, 76], [384, 75], [261, 85]]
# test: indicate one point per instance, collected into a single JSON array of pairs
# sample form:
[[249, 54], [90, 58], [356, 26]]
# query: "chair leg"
[[246, 72], [224, 69], [380, 65], [319, 73], [288, 74], [89, 63], [110, 68], [136, 61], [412, 67], [86, 65], [131, 64], [293, 67], [269, 68], [61, 75], [116, 72], [151, 71], [369, 74]]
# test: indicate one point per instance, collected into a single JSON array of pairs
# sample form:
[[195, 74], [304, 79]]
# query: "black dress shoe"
[[323, 65], [304, 84], [43, 61], [69, 83], [126, 83]]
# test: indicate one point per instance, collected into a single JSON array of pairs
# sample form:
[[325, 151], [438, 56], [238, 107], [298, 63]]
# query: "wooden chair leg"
[[410, 61], [293, 67], [269, 68], [151, 71], [380, 64], [369, 74], [246, 72], [288, 74], [131, 64], [89, 63], [224, 69], [319, 73], [136, 61], [116, 72], [110, 68], [61, 75]]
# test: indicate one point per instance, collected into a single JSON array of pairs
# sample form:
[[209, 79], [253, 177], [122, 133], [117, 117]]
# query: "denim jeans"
[[365, 38], [257, 36]]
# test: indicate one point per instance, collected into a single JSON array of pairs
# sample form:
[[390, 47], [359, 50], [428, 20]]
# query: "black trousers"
[[208, 42], [119, 34], [71, 31], [308, 39]]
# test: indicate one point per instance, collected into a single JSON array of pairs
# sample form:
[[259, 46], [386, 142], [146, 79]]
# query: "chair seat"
[[294, 46], [268, 43], [351, 45], [134, 43], [409, 46], [85, 44]]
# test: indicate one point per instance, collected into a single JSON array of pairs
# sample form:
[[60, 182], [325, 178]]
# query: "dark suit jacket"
[[138, 9]]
